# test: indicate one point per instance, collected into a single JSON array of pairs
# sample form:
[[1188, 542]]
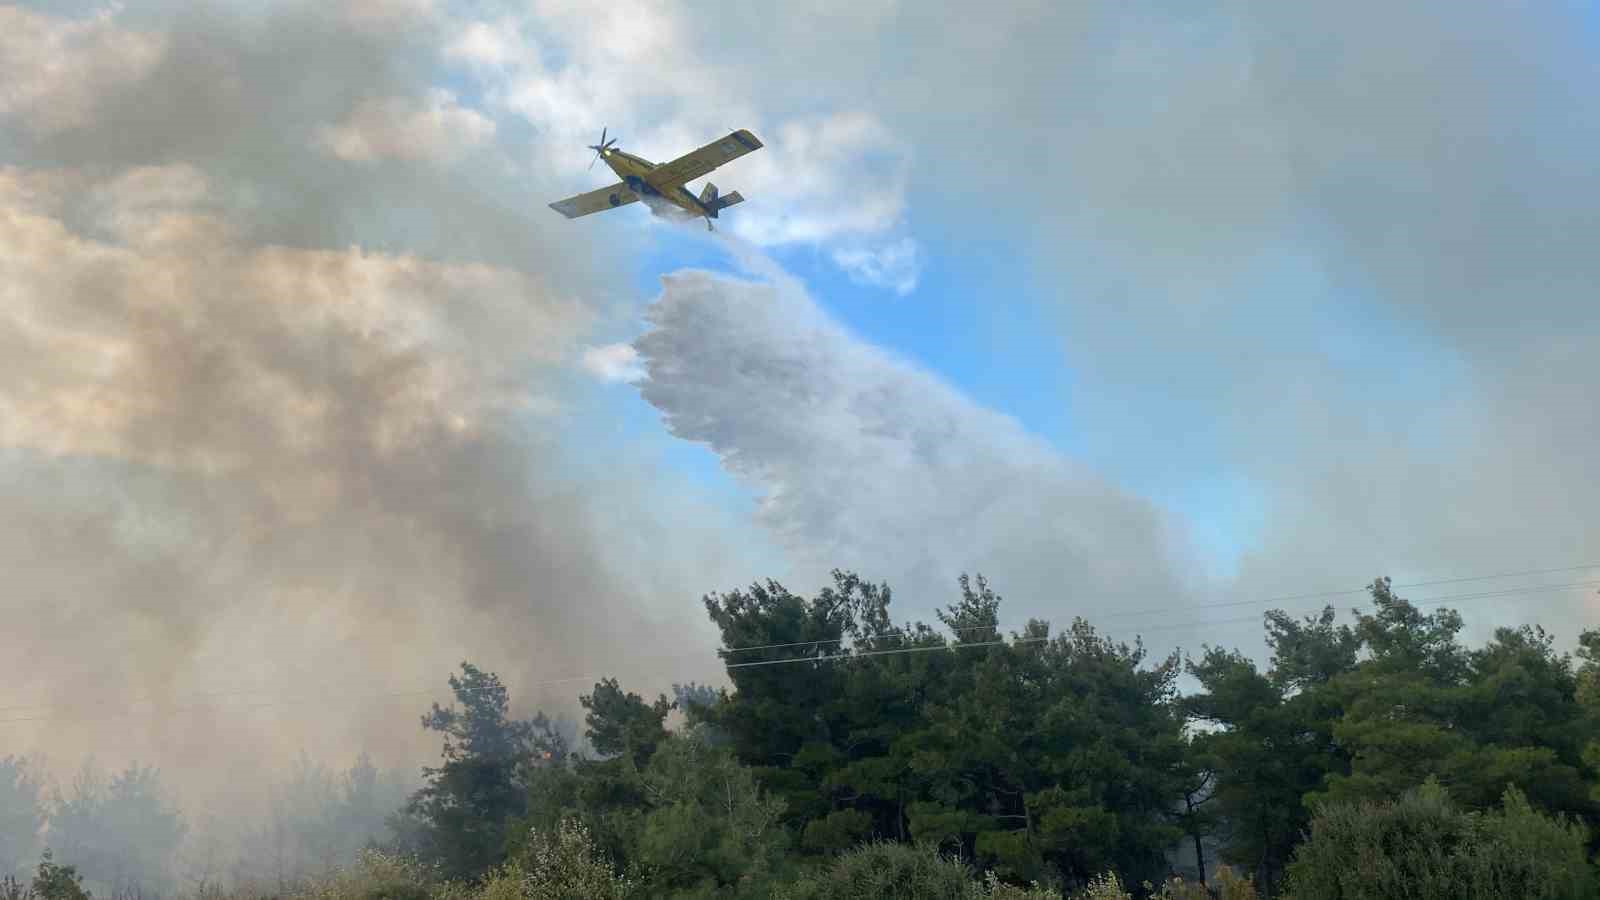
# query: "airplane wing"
[[700, 162], [595, 201]]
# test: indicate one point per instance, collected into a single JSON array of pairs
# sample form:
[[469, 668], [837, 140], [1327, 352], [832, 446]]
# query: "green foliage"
[[566, 864], [886, 871], [377, 875], [1106, 886], [1365, 713], [994, 889], [1275, 743], [1481, 721], [1423, 845], [838, 830], [57, 882], [709, 823], [1054, 756], [693, 819], [1053, 764], [621, 723], [460, 817]]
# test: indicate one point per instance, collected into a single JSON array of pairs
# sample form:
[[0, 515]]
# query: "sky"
[[1149, 314]]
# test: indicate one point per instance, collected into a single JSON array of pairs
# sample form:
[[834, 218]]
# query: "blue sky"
[[972, 321], [978, 319]]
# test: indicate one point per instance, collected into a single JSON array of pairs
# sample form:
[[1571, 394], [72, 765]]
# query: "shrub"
[[886, 870], [564, 865], [53, 882], [995, 890], [1227, 886], [1423, 846], [1106, 886], [376, 876]]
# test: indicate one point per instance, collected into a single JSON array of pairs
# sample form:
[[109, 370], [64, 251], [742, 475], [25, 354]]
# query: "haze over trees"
[[122, 833], [850, 756]]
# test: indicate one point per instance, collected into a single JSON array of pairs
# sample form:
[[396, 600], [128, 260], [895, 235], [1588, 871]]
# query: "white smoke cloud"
[[613, 362], [437, 128], [835, 179], [54, 73], [864, 460]]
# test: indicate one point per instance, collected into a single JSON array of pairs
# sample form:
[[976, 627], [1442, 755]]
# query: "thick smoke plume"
[[286, 369]]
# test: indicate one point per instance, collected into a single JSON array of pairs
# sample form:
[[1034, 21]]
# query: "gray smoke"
[[287, 405]]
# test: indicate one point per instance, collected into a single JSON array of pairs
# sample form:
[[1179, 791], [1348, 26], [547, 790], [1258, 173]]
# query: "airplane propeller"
[[600, 148]]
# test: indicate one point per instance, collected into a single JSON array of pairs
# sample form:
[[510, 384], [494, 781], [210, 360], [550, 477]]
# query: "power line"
[[1196, 607], [246, 692], [846, 656]]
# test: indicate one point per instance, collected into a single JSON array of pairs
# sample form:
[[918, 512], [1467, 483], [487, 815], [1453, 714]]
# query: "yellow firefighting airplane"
[[662, 187]]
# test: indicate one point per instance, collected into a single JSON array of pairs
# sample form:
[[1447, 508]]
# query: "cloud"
[[1343, 266], [435, 129], [253, 397], [55, 72], [613, 362], [835, 179], [861, 459], [197, 431], [894, 265], [104, 383], [387, 15]]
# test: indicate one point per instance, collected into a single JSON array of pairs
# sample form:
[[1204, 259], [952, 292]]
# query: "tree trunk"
[[1199, 851]]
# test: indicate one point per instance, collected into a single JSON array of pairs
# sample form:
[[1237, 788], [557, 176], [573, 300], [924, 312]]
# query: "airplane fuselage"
[[663, 188], [632, 170]]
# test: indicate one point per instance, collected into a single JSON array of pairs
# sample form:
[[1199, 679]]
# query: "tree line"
[[122, 834], [1052, 759], [852, 757]]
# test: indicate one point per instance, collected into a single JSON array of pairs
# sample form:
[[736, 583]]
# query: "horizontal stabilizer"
[[732, 198]]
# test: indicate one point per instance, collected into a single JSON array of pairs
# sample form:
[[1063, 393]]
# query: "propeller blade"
[[600, 148]]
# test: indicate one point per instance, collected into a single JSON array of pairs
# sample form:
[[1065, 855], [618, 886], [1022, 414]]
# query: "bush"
[[886, 870], [1228, 886], [994, 890], [376, 876], [51, 882], [563, 865], [1423, 846], [1105, 887]]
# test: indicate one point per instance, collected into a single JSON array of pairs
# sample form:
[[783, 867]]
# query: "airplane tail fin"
[[715, 204]]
